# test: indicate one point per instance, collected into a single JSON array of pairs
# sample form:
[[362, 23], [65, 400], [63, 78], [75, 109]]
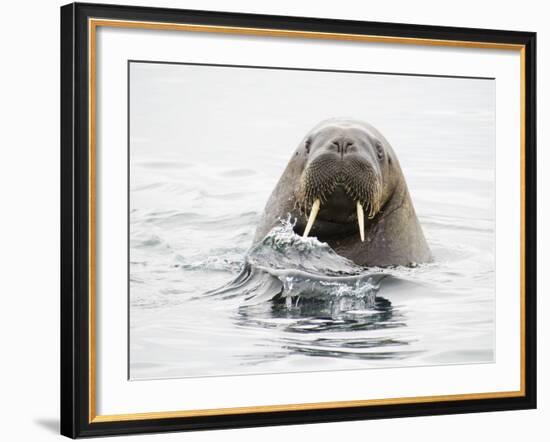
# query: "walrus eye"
[[307, 144], [379, 150]]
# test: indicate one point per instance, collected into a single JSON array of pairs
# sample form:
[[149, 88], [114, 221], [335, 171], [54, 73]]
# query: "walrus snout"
[[342, 184]]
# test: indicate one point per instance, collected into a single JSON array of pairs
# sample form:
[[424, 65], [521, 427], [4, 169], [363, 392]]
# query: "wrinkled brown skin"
[[393, 237]]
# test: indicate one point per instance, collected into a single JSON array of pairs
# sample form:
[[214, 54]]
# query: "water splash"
[[296, 271], [282, 248]]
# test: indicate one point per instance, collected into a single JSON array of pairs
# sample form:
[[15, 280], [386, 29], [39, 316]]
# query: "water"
[[204, 303]]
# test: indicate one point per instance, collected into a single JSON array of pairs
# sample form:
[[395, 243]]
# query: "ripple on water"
[[295, 300]]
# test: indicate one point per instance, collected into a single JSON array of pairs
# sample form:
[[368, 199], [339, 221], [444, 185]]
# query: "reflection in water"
[[316, 317]]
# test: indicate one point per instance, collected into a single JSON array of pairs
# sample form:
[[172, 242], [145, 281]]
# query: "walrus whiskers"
[[313, 214]]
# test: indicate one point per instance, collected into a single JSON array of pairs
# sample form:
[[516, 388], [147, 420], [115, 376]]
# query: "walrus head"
[[344, 185], [346, 178]]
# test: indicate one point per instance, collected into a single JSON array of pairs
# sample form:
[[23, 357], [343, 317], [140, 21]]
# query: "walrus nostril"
[[342, 146]]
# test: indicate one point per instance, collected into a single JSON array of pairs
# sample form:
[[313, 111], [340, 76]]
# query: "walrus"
[[344, 185]]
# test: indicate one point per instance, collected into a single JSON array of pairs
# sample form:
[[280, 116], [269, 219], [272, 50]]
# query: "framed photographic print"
[[274, 220]]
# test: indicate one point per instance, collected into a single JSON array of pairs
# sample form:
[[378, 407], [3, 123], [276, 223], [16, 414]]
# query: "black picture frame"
[[75, 221]]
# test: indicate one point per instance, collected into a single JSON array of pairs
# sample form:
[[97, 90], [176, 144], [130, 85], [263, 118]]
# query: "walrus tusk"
[[312, 216], [361, 221]]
